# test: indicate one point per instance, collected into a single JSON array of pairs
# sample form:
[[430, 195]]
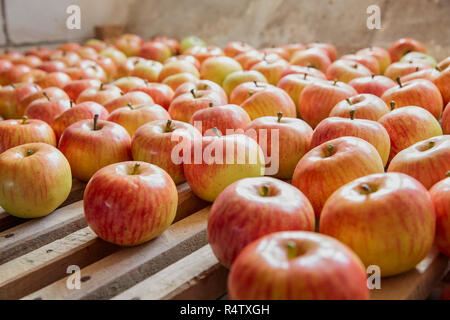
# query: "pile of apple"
[[364, 140]]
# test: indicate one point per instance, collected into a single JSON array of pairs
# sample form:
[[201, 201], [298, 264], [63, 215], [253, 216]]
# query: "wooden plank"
[[126, 267], [196, 276], [35, 233]]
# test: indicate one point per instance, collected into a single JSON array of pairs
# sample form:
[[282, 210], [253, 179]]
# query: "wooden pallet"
[[35, 256]]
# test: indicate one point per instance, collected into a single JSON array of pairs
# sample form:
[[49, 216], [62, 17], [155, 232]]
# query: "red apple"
[[10, 97], [124, 69], [54, 79], [364, 106], [443, 84], [374, 84], [52, 93], [117, 56], [148, 70], [183, 57], [87, 53], [319, 98], [17, 132], [35, 179], [218, 68], [297, 266], [30, 60], [388, 219], [127, 84], [236, 78], [440, 193], [328, 48], [15, 74], [401, 69], [130, 44], [291, 48], [279, 51], [90, 145], [294, 84], [245, 90], [41, 52], [312, 57], [201, 53], [108, 65], [332, 164], [76, 87], [154, 142], [310, 71], [407, 126], [346, 70], [264, 205], [69, 46], [5, 65], [173, 44], [382, 56], [155, 50], [176, 80], [428, 74], [272, 70], [68, 57], [368, 61], [92, 71], [201, 86], [52, 66], [234, 48], [160, 93], [143, 212], [446, 120], [47, 109], [101, 94], [404, 45], [176, 67], [249, 58], [133, 98], [98, 45]]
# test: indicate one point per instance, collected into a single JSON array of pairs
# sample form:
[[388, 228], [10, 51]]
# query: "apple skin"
[[218, 68], [34, 185], [365, 106], [407, 126], [272, 70], [175, 67], [318, 99], [440, 193], [52, 66], [76, 87], [132, 118], [346, 70], [368, 130], [207, 177], [420, 57], [382, 56], [17, 132], [245, 90], [282, 208], [446, 120], [421, 92], [294, 84], [226, 117], [15, 74], [310, 71], [160, 93], [171, 42], [269, 102], [391, 225], [184, 57], [249, 58], [127, 84], [152, 143], [47, 109], [101, 94], [265, 271], [427, 161], [54, 79], [293, 143], [201, 86], [443, 83], [328, 48], [89, 150], [184, 106], [155, 50], [403, 46], [201, 53], [368, 61], [428, 74], [10, 97], [234, 48], [319, 174], [176, 80], [81, 111], [130, 44], [129, 208], [147, 69], [236, 78], [312, 57], [375, 85], [133, 98], [401, 69], [189, 42]]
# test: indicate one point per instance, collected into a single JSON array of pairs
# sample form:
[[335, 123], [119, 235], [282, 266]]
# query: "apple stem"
[[264, 192], [279, 115], [373, 75], [135, 169], [438, 69], [250, 93], [46, 95], [399, 82], [211, 104], [24, 119], [168, 126], [291, 248], [101, 86], [447, 174], [193, 93], [122, 93], [330, 149], [334, 82], [304, 76], [352, 114], [71, 103], [348, 101], [95, 122], [216, 131], [12, 85], [130, 106], [366, 189], [29, 152], [417, 69], [431, 144], [392, 104]]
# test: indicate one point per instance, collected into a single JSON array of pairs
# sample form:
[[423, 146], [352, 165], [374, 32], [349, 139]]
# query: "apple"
[[407, 126], [87, 53], [68, 57], [127, 84], [328, 48], [184, 57], [98, 45], [185, 105], [440, 194], [17, 132], [41, 52], [245, 90], [75, 87], [264, 205], [54, 79], [69, 46], [215, 162], [444, 64], [403, 46], [428, 74], [312, 57], [5, 65], [173, 44], [30, 60], [446, 120], [175, 67], [319, 98], [291, 142], [201, 86], [124, 69], [401, 69], [154, 142], [82, 111], [91, 71], [249, 58], [235, 48], [155, 50], [130, 44], [443, 84], [14, 75], [419, 57], [101, 94], [297, 265], [190, 41], [361, 106], [332, 164], [10, 54], [47, 109], [147, 69], [387, 219], [291, 48], [227, 117], [294, 84], [367, 61], [52, 93], [279, 51], [310, 71], [346, 70], [10, 97], [201, 53], [427, 160], [143, 212], [368, 130], [52, 66], [218, 68], [90, 145], [269, 102], [117, 56], [236, 78], [108, 65], [161, 93], [374, 84], [35, 179], [133, 98], [174, 81], [133, 117], [271, 69], [421, 92]]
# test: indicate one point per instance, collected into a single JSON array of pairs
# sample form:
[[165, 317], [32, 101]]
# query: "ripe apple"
[[143, 212], [35, 179], [249, 58], [382, 55], [444, 64], [294, 84], [190, 41], [17, 132], [401, 69], [310, 71], [407, 126], [297, 265], [30, 60], [117, 56], [108, 65], [5, 65], [332, 164], [226, 117], [419, 57], [54, 79], [245, 90], [15, 74], [236, 78], [154, 142], [147, 69], [271, 69], [70, 58], [388, 219], [82, 111], [421, 92], [440, 193], [124, 69], [374, 84], [218, 68], [361, 106], [69, 46], [52, 66], [41, 52], [264, 205], [428, 74], [426, 160], [175, 67], [133, 98], [319, 98], [130, 44], [155, 50], [328, 48], [234, 48], [403, 46], [312, 57], [279, 51], [87, 53], [133, 117], [201, 86], [367, 61], [176, 80], [215, 162], [100, 94], [346, 70], [47, 109], [98, 45], [284, 147], [160, 93], [446, 120], [443, 83], [10, 97], [127, 84], [291, 48], [201, 53], [52, 93], [76, 87], [90, 145], [184, 57]]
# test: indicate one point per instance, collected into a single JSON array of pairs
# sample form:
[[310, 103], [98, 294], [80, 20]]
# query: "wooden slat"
[[126, 267], [197, 276]]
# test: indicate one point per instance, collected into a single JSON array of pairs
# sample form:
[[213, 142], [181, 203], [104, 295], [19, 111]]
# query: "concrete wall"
[[259, 22]]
